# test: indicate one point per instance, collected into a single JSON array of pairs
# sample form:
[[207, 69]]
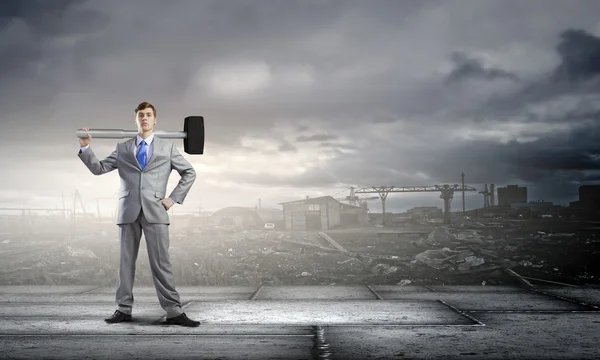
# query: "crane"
[[356, 200], [446, 190]]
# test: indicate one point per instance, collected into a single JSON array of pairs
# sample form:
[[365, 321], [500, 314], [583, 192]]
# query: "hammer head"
[[193, 143]]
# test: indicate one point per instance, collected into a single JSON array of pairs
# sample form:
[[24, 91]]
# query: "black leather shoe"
[[118, 317], [182, 320]]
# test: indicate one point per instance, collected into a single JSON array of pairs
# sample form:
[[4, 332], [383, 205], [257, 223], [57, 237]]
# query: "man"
[[145, 163]]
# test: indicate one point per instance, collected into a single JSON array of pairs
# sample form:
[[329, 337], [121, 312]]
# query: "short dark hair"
[[145, 105]]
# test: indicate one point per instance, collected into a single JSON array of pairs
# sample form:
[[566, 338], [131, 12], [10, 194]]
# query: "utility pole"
[[463, 190], [64, 206]]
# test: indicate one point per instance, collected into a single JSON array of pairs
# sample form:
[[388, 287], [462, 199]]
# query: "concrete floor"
[[306, 322]]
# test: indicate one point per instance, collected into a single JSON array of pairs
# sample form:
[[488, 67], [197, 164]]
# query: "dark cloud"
[[553, 164], [36, 49], [575, 75], [580, 55], [589, 178], [33, 32], [34, 8], [367, 84], [470, 68]]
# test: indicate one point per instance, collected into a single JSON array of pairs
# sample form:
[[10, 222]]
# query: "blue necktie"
[[141, 154]]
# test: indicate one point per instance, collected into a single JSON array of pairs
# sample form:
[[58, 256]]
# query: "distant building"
[[589, 196], [321, 213], [511, 194], [353, 215], [537, 206], [588, 205]]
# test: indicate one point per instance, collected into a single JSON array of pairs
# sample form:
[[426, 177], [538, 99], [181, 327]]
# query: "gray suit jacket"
[[144, 189]]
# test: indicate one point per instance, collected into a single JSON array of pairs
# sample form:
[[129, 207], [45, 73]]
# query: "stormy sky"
[[306, 98]]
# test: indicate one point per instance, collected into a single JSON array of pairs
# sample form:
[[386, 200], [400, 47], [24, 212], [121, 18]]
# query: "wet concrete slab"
[[31, 319], [348, 322], [82, 299], [220, 347], [482, 298], [141, 325], [326, 312], [197, 293], [94, 293], [586, 295], [505, 336], [478, 289], [74, 310], [45, 289], [316, 292], [107, 294]]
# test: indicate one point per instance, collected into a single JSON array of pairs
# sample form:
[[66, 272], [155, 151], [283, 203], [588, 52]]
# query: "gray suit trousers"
[[157, 243]]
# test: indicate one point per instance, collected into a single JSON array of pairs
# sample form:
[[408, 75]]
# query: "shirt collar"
[[148, 140]]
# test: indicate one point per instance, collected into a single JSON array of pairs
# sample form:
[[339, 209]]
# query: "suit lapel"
[[158, 150], [130, 151]]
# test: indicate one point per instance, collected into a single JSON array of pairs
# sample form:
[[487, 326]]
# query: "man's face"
[[145, 119]]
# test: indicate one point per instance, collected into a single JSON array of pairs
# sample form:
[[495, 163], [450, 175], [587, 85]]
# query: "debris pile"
[[470, 252]]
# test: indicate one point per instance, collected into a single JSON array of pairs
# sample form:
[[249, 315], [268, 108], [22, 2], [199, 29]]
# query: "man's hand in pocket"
[[167, 203]]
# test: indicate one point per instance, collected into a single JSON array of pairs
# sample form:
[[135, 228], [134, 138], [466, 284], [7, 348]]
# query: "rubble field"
[[468, 252]]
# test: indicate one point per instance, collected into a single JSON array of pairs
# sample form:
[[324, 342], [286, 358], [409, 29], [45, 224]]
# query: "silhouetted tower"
[[492, 196], [486, 197], [447, 194]]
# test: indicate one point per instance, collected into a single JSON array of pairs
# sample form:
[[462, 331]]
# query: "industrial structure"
[[589, 197], [588, 204], [355, 200], [512, 194], [322, 213], [446, 190], [538, 206], [327, 212], [488, 196], [431, 211]]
